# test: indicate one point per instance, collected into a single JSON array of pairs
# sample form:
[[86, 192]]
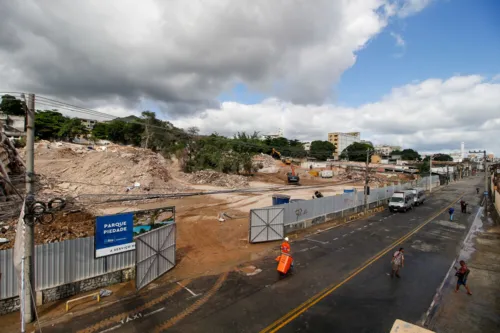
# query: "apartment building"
[[342, 141]]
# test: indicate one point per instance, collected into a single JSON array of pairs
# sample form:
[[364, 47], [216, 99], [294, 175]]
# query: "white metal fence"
[[298, 211], [60, 263], [155, 254]]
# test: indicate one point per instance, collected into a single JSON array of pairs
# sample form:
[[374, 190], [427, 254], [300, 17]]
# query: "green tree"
[[72, 128], [442, 158], [100, 131], [48, 123], [322, 150], [408, 154], [356, 152], [11, 106]]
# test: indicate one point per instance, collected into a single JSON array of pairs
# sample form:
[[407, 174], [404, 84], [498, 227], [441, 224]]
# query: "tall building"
[[342, 141]]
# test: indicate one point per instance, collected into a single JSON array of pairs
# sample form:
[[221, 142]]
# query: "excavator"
[[292, 177], [275, 154]]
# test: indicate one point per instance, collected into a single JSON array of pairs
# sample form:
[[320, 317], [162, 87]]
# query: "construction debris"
[[67, 168], [209, 177]]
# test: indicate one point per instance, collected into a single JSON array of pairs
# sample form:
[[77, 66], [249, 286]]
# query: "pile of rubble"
[[265, 163], [209, 177], [73, 169], [66, 225]]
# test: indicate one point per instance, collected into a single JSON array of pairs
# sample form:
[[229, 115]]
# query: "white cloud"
[[410, 7], [399, 39], [183, 54], [429, 115]]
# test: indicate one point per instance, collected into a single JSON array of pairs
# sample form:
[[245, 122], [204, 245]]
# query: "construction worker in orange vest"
[[285, 246]]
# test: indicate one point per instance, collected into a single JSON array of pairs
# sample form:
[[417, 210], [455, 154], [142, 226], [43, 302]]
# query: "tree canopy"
[[357, 152], [11, 106], [407, 154], [442, 158], [322, 150]]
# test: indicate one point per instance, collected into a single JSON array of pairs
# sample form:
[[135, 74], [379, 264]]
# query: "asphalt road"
[[341, 283]]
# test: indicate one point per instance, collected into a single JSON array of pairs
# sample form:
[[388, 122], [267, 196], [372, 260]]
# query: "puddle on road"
[[424, 247], [468, 247], [450, 224]]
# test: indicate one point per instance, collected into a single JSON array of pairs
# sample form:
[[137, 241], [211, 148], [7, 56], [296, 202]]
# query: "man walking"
[[398, 261], [462, 274], [451, 211], [463, 206]]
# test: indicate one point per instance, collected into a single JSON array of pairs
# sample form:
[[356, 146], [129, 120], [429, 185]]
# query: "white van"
[[401, 201], [419, 195]]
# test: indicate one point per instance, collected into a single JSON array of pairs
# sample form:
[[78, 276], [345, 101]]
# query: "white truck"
[[401, 201]]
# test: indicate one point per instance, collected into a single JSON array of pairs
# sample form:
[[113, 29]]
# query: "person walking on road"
[[462, 274], [451, 211], [477, 190], [398, 261], [463, 206]]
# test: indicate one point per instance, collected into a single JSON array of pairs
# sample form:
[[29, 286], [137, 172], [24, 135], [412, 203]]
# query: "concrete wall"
[[67, 290]]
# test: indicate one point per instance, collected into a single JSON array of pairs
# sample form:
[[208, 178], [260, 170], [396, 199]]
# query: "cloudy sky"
[[423, 74]]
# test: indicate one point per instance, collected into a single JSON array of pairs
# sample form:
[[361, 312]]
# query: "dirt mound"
[[209, 177], [75, 169]]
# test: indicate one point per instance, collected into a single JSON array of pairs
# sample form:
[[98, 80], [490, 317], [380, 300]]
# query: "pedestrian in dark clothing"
[[451, 211], [463, 206], [477, 190], [462, 274]]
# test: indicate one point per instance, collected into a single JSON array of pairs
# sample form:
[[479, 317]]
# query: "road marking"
[[312, 248], [111, 328], [287, 318], [153, 312], [344, 235], [352, 232], [189, 290], [120, 317], [358, 229], [317, 241], [335, 238], [365, 226], [193, 307], [370, 223]]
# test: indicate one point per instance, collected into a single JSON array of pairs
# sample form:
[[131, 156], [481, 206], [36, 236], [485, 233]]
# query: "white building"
[[342, 141], [307, 145], [12, 126], [386, 150], [280, 134]]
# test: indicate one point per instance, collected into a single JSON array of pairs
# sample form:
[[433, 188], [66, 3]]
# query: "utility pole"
[[430, 174], [366, 179], [447, 174], [29, 270]]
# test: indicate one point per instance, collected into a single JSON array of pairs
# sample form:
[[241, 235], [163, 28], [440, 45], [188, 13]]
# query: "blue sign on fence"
[[114, 234]]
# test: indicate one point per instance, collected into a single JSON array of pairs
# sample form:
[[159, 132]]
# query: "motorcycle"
[[285, 265]]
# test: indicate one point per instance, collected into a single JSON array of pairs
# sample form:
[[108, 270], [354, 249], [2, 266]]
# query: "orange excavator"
[[292, 177]]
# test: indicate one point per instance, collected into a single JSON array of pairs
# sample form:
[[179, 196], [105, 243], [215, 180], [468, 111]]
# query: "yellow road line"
[[174, 320], [287, 318], [116, 318]]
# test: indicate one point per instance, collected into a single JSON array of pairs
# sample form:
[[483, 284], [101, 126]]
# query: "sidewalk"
[[459, 312]]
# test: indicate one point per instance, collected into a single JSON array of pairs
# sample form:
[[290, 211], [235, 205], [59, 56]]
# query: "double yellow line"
[[287, 318]]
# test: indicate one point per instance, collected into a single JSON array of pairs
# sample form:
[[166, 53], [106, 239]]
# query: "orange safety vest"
[[285, 247]]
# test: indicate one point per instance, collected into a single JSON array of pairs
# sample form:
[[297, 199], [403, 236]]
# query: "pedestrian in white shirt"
[[398, 261]]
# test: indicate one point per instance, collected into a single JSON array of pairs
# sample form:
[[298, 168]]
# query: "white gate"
[[155, 254], [266, 224]]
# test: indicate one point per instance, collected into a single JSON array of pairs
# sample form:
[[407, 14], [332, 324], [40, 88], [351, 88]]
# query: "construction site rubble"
[[209, 177], [67, 168]]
